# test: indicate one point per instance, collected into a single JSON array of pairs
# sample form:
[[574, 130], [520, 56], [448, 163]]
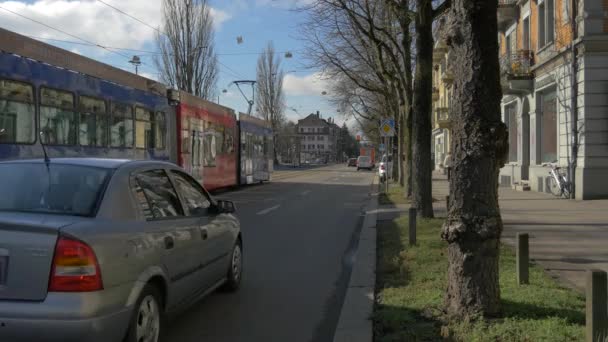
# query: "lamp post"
[[137, 62]]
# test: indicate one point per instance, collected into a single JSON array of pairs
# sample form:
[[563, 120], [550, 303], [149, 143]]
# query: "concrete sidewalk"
[[566, 237]]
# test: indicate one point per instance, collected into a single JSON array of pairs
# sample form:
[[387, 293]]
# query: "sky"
[[256, 21]]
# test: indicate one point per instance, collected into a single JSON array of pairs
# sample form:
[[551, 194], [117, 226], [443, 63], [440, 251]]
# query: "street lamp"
[[137, 62]]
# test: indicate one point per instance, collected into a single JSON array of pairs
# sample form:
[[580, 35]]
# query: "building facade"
[[442, 97], [318, 139], [539, 79]]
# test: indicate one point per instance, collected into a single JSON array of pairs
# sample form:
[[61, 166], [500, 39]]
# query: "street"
[[299, 235]]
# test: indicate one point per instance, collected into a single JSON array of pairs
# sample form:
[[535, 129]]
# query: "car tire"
[[147, 317], [235, 269], [358, 169]]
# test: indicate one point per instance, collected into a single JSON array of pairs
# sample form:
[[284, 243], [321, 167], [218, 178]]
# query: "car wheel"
[[235, 270], [358, 169], [147, 318]]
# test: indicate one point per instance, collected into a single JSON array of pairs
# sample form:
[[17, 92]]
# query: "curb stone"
[[355, 323]]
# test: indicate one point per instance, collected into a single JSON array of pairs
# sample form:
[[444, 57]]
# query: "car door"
[[215, 242], [168, 228]]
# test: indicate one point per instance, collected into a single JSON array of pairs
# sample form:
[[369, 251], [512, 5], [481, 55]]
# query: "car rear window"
[[364, 159], [61, 189]]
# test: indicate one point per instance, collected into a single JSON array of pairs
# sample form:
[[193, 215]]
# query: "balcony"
[[516, 72], [442, 118], [507, 13], [447, 77], [435, 94]]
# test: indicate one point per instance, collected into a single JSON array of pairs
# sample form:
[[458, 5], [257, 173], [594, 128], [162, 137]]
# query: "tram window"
[[161, 130], [121, 127], [17, 112], [144, 128], [228, 140], [209, 144], [220, 143], [57, 117], [93, 122]]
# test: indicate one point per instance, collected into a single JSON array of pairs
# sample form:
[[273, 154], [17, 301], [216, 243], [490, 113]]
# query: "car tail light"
[[382, 167], [75, 267]]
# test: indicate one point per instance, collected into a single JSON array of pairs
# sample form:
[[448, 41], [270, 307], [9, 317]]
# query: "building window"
[[546, 23], [511, 121], [57, 117], [548, 127], [526, 34], [301, 129]]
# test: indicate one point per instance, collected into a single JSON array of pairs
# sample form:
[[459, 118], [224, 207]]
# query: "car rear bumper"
[[107, 328], [99, 316]]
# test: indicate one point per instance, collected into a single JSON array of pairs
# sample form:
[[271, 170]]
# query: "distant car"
[[386, 167], [101, 250], [352, 162], [364, 162]]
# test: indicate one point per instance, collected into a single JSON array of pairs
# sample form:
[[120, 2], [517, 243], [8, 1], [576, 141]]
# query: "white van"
[[364, 162]]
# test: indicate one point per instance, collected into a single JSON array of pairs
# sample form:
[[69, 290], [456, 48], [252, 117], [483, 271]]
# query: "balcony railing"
[[518, 64], [442, 117]]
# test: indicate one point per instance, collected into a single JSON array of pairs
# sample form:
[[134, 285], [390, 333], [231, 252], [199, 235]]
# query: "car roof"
[[107, 163]]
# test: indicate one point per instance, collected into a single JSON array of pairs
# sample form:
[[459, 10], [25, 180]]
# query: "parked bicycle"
[[558, 181]]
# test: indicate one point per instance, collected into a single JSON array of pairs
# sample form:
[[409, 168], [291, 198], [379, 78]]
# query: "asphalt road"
[[299, 234]]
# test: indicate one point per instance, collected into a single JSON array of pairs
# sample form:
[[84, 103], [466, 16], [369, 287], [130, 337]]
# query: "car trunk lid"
[[27, 244]]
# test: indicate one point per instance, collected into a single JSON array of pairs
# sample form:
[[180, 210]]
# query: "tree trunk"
[[479, 146], [422, 105], [401, 148]]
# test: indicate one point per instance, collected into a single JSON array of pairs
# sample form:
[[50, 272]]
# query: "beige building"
[[442, 97]]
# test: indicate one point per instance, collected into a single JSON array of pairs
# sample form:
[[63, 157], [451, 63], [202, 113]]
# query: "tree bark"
[[422, 105], [479, 146]]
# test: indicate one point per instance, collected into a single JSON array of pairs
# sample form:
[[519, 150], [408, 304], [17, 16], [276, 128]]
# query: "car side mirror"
[[224, 207]]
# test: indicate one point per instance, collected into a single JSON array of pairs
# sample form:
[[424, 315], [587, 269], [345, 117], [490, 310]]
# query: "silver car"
[[102, 250]]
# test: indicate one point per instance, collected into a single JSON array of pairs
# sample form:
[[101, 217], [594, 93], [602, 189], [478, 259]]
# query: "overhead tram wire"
[[132, 17], [66, 33]]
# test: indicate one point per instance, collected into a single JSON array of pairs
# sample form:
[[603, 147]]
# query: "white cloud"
[[309, 85], [283, 3], [90, 20]]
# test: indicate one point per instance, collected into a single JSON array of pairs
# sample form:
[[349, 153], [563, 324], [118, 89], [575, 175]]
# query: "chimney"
[[318, 114]]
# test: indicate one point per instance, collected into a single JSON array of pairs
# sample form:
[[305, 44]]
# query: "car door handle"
[[169, 243], [204, 234]]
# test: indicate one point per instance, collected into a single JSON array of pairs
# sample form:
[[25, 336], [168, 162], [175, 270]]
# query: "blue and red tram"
[[78, 107], [256, 151]]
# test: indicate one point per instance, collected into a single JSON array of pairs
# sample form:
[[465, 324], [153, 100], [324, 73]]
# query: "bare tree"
[[187, 59], [359, 40], [270, 104], [479, 149]]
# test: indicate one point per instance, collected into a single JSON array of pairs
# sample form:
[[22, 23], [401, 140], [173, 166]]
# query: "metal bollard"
[[596, 309], [412, 213], [523, 259]]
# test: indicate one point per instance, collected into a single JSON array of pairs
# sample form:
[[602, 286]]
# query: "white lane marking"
[[266, 211], [304, 193]]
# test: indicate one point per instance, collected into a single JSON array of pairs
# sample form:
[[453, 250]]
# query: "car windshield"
[[62, 189]]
